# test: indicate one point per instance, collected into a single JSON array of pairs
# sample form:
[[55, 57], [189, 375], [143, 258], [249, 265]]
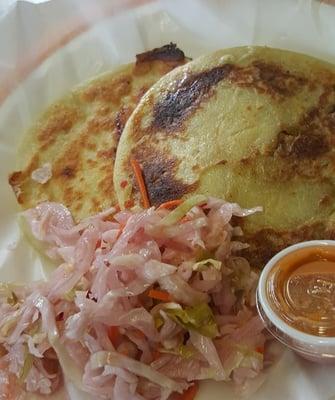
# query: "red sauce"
[[301, 289]]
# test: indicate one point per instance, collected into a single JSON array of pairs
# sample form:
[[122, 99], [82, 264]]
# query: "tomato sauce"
[[301, 289]]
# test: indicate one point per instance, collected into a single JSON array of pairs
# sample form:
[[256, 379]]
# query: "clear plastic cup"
[[310, 346]]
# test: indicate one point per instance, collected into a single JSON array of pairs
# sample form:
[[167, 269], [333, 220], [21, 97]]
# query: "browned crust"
[[177, 105], [112, 108], [265, 243], [168, 52], [108, 154], [17, 179], [62, 121], [309, 146], [304, 149], [68, 172], [101, 123], [310, 137], [120, 120], [111, 91], [159, 172], [268, 78]]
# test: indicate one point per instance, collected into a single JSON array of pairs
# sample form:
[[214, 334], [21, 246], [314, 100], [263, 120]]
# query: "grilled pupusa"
[[254, 125], [78, 136]]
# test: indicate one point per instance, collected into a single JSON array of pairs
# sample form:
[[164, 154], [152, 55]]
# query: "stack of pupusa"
[[253, 125]]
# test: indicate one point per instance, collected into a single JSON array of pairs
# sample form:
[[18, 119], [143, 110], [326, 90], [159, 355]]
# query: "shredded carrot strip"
[[125, 352], [260, 349], [170, 204], [114, 335], [122, 226], [140, 181], [139, 334], [60, 317], [189, 394], [159, 295]]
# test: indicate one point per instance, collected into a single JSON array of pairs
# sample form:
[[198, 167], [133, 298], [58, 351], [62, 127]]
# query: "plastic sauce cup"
[[296, 299]]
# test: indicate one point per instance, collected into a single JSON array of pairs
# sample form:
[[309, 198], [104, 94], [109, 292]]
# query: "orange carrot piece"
[[170, 204], [159, 295], [189, 394], [260, 349], [140, 181], [114, 335], [139, 334], [120, 230]]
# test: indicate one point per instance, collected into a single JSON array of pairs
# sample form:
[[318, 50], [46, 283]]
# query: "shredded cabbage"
[[70, 369], [95, 320], [103, 358]]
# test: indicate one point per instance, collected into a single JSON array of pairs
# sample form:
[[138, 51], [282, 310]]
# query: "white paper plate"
[[198, 27]]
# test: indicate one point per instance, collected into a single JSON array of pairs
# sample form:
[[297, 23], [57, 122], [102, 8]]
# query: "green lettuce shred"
[[28, 363], [248, 355], [179, 212], [81, 285], [183, 351], [199, 318], [204, 264], [70, 295], [159, 321]]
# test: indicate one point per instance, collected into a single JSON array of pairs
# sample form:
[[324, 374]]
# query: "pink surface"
[[55, 31]]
